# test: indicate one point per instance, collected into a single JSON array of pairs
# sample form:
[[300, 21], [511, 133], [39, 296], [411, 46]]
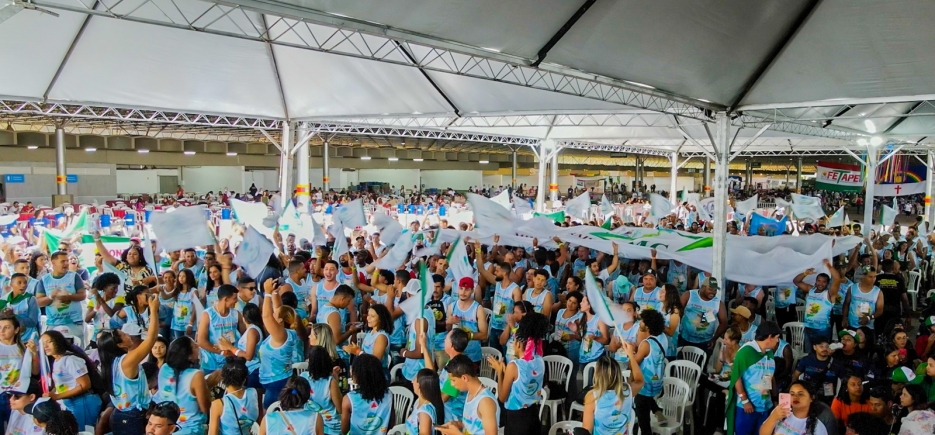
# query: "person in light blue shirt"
[[291, 416], [366, 410], [521, 379], [277, 349], [429, 410], [650, 356], [819, 302], [608, 406], [481, 414], [64, 291], [181, 381], [326, 398], [235, 413]]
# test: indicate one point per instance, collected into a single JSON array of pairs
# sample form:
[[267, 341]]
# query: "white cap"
[[64, 331]]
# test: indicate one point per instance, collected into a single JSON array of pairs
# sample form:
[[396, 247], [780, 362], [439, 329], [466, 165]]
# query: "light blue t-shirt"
[[611, 413], [276, 362], [173, 388], [757, 381], [320, 402], [369, 417], [818, 310]]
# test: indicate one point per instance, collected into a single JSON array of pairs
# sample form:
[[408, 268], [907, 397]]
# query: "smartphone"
[[785, 400]]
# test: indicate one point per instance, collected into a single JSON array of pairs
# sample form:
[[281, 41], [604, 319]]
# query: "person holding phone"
[[797, 417]]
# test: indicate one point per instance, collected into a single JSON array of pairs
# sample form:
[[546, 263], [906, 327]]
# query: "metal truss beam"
[[809, 152], [79, 111], [595, 119], [213, 135], [369, 130], [305, 28], [806, 127], [591, 146]]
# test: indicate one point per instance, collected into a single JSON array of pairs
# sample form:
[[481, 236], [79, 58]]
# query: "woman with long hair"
[[376, 341], [672, 310], [50, 416], [320, 335], [182, 381], [366, 410], [729, 348], [75, 266], [238, 409], [593, 334], [852, 398], [520, 380], [429, 410], [136, 309], [508, 336], [12, 351], [183, 310], [566, 324], [323, 378], [131, 262], [900, 339], [157, 356], [918, 415], [74, 378], [104, 304], [215, 279], [122, 376], [38, 265], [168, 291], [607, 407], [277, 349], [291, 417], [626, 334], [246, 346], [799, 419]]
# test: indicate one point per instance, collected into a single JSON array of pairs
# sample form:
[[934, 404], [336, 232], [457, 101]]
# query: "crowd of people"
[[314, 343]]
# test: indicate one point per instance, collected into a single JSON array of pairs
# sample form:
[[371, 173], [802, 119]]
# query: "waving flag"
[[837, 219], [420, 291], [78, 225], [252, 213], [340, 239], [807, 207], [521, 206], [744, 208], [352, 214], [184, 228], [23, 373], [770, 227], [458, 260], [389, 228], [503, 199], [489, 217], [607, 208], [254, 252], [318, 235], [557, 217], [609, 312], [147, 243], [661, 207], [579, 207], [398, 253], [888, 214], [45, 372]]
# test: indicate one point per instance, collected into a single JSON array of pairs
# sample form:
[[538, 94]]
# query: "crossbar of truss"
[[369, 130], [807, 152], [304, 28], [596, 119], [590, 146]]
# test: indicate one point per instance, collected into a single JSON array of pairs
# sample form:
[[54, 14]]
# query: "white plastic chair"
[[402, 400], [690, 373], [770, 309], [693, 354], [486, 371], [558, 369], [674, 403], [796, 331], [490, 384], [255, 429], [399, 429], [912, 288], [800, 312], [587, 377], [717, 351], [300, 367], [564, 426], [272, 407], [394, 372], [489, 314]]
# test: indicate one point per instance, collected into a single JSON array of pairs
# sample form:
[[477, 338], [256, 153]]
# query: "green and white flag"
[[419, 293], [888, 214], [837, 219], [81, 224], [87, 248], [458, 260]]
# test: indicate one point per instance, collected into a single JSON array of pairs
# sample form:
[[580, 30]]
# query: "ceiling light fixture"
[[189, 153], [393, 159], [90, 150], [642, 85], [484, 162], [33, 147], [232, 154], [143, 151], [417, 160], [871, 128], [876, 141], [365, 158]]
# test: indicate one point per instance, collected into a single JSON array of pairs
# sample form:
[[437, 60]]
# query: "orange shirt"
[[842, 411]]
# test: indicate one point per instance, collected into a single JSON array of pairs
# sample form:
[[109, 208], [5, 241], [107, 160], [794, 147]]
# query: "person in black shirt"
[[849, 358], [437, 305], [817, 370], [895, 300]]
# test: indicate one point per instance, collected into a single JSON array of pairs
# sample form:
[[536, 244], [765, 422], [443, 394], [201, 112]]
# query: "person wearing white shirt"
[[799, 418]]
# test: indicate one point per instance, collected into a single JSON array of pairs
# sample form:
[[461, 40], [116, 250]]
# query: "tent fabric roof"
[[815, 65]]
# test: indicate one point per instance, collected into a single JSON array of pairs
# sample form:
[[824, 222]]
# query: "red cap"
[[466, 282]]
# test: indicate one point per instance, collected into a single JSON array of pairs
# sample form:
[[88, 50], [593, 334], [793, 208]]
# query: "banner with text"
[[839, 177]]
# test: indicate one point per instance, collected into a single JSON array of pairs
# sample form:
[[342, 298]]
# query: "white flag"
[[837, 219], [503, 199], [352, 214], [458, 260], [807, 207], [521, 205], [706, 209], [318, 235], [340, 239], [805, 200], [661, 207], [489, 217], [389, 228], [254, 252], [579, 207], [251, 213], [8, 219], [888, 214], [148, 250], [186, 227], [607, 208], [398, 253], [745, 207]]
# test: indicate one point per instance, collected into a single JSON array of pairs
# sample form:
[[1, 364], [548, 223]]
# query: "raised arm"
[[131, 363], [275, 329], [105, 255], [614, 262]]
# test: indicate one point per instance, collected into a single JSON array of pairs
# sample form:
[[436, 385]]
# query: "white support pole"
[[302, 187], [553, 176], [706, 177], [285, 164], [798, 176], [61, 174], [929, 210], [869, 179], [721, 173], [540, 189], [325, 167], [673, 177], [513, 171]]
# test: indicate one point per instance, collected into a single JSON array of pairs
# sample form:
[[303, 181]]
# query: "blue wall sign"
[[14, 178]]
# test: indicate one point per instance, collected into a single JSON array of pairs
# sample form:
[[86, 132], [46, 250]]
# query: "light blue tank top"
[[469, 324], [862, 303], [629, 336], [398, 338], [752, 293], [673, 339], [182, 311], [411, 366], [471, 418], [178, 389], [653, 366], [526, 387], [323, 296], [320, 402], [20, 308], [749, 335], [254, 363], [412, 422], [239, 413], [784, 295], [454, 407], [843, 289], [301, 291], [699, 321], [757, 380], [141, 319], [219, 326], [572, 347], [536, 301], [276, 362], [369, 417], [502, 305], [648, 301], [61, 313], [677, 276], [324, 311], [370, 341], [298, 351], [591, 350], [611, 414], [302, 422], [129, 394], [818, 310]]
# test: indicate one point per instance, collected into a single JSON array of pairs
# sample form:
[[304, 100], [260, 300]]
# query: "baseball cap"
[[650, 272], [905, 375], [743, 311], [64, 331], [466, 282], [413, 286], [850, 332], [132, 329], [930, 320], [710, 282], [32, 387]]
